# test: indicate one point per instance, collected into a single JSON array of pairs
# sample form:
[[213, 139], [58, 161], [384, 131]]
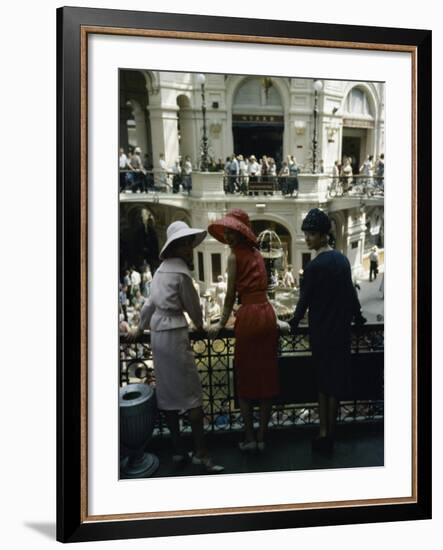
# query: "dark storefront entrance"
[[351, 148], [258, 135]]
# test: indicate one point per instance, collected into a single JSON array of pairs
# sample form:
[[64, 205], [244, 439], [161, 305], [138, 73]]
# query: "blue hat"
[[316, 220]]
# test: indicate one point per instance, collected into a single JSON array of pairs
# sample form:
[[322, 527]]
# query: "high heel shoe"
[[247, 446], [208, 465]]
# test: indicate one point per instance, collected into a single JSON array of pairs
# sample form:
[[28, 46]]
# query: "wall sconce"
[[300, 127], [215, 128]]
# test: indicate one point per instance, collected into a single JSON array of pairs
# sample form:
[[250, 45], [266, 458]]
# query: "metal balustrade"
[[297, 403], [158, 181], [358, 185]]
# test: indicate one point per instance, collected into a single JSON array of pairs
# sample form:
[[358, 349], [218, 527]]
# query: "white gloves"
[[283, 327]]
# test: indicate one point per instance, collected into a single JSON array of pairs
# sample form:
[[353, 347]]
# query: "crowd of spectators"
[[370, 172], [245, 174], [242, 174]]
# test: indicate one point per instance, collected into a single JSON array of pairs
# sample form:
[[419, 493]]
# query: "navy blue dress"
[[329, 294]]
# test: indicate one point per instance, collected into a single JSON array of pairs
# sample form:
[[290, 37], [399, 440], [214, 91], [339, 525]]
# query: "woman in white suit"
[[178, 386]]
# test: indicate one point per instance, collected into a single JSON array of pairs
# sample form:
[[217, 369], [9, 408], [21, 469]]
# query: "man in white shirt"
[[367, 169], [253, 169], [233, 170], [163, 171], [288, 278], [187, 172], [123, 165], [136, 165], [373, 263], [135, 281]]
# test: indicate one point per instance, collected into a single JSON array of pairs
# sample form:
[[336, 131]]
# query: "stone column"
[[187, 130], [124, 115], [141, 129], [165, 135]]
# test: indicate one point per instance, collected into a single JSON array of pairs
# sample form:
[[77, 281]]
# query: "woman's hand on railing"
[[359, 320], [214, 330], [283, 327], [133, 335]]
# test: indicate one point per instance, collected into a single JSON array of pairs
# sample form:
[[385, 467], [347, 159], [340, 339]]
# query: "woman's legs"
[[201, 456], [265, 415], [328, 407], [246, 412], [196, 420], [332, 415], [174, 427], [323, 413]]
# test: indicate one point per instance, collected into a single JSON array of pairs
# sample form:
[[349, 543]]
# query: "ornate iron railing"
[[214, 360]]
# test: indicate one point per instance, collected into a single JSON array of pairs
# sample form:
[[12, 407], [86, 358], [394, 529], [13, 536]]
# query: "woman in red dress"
[[256, 332]]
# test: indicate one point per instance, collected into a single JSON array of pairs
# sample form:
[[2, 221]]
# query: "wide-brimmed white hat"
[[179, 229]]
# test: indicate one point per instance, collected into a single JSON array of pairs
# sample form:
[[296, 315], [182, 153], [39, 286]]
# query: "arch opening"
[[258, 119], [358, 127]]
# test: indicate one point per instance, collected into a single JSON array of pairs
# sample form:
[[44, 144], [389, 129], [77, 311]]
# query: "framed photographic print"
[[215, 176]]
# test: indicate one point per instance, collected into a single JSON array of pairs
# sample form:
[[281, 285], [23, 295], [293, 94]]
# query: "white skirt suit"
[[178, 385]]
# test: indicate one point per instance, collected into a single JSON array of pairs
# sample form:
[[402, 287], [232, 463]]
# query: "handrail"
[[169, 181], [302, 330]]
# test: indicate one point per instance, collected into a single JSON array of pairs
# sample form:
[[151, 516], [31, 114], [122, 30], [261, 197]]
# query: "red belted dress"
[[256, 333]]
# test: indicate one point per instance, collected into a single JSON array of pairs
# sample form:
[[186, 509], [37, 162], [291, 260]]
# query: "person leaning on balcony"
[[293, 173], [123, 166], [283, 178], [328, 293], [163, 169], [243, 175], [367, 168], [178, 386], [256, 332], [380, 170], [187, 172], [346, 173]]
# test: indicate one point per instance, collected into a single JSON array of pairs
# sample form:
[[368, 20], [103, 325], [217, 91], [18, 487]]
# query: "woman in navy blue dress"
[[329, 295]]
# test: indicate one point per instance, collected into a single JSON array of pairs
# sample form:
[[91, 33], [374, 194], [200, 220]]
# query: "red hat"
[[237, 220]]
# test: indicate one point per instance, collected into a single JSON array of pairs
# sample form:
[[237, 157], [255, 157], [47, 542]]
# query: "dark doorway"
[[259, 139], [351, 148]]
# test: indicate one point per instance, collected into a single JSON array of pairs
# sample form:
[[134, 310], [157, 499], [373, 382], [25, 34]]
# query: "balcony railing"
[[158, 181], [297, 402], [360, 186]]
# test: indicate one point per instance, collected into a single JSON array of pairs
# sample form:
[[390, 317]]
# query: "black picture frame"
[[73, 523]]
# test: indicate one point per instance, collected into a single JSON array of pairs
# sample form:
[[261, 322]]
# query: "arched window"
[[357, 103], [257, 92]]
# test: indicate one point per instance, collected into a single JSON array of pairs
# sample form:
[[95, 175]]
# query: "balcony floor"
[[288, 449]]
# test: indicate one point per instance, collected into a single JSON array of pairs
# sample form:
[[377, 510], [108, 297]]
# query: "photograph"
[[251, 273], [233, 322], [228, 274]]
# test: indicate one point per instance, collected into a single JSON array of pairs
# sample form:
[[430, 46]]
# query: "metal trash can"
[[137, 417]]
